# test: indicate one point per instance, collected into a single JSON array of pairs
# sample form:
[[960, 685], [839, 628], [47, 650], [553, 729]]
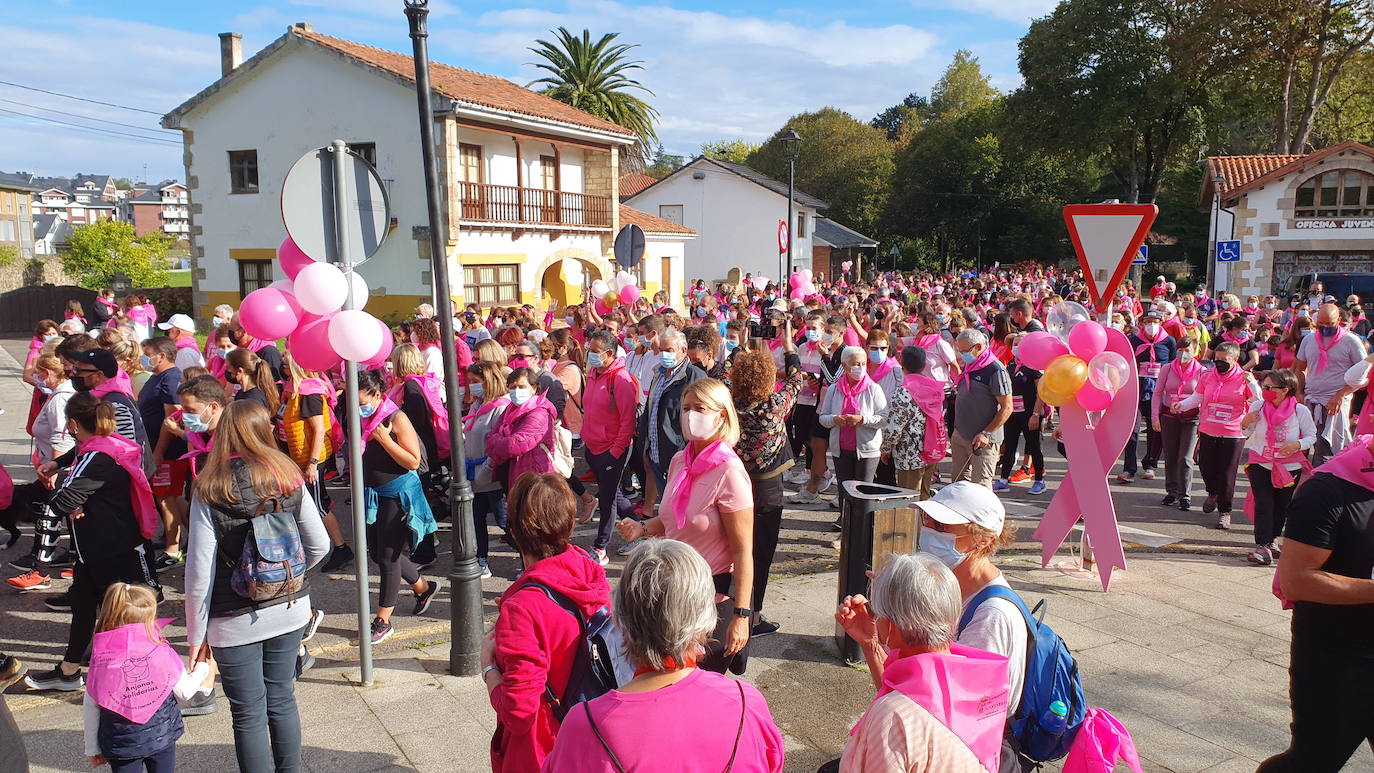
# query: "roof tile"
[[634, 182], [1240, 170], [651, 223]]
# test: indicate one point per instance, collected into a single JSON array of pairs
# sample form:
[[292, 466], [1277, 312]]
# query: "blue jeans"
[[486, 503], [611, 500], [164, 761], [259, 679], [1153, 442]]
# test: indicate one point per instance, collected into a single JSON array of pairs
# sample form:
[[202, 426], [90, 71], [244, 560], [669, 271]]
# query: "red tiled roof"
[[465, 85], [1241, 170], [634, 182], [651, 223]]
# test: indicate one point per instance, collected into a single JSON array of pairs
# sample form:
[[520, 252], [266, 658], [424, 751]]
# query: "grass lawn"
[[179, 278]]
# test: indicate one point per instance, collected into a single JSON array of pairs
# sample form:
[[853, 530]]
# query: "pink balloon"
[[269, 314], [1038, 349], [1092, 398], [1087, 339], [798, 295], [292, 258], [629, 295], [384, 353], [795, 280], [601, 307], [310, 347]]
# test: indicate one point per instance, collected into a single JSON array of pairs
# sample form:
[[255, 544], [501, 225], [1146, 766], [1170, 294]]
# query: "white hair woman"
[[907, 632], [854, 411], [710, 506], [665, 609]]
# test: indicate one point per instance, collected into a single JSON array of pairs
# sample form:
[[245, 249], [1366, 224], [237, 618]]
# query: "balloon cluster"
[[801, 284], [620, 290], [305, 309], [1073, 357]]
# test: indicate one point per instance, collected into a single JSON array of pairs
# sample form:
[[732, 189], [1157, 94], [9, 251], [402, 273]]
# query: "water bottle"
[[1055, 719]]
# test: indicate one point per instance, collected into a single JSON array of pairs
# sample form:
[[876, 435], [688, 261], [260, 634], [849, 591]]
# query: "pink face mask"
[[700, 426]]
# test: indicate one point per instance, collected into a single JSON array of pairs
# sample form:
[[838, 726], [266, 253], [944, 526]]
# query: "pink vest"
[[1222, 410]]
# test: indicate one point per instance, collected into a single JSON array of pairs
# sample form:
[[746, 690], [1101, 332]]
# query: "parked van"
[[1339, 286]]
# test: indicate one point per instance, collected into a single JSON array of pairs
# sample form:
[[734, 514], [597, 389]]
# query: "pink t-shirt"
[[692, 725], [725, 488]]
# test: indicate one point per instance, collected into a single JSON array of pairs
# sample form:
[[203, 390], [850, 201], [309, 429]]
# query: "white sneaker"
[[626, 548], [1147, 474], [828, 482], [805, 497], [600, 555]]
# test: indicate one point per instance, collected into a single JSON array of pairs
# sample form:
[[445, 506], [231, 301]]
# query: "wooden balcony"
[[532, 206]]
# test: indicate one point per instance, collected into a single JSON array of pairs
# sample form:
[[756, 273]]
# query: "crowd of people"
[[679, 425]]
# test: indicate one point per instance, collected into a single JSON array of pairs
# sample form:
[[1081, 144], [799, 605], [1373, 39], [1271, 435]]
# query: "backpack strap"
[[1032, 625], [596, 730], [568, 606], [739, 731]]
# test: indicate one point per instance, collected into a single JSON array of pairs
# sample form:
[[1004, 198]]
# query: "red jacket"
[[603, 426], [535, 645]]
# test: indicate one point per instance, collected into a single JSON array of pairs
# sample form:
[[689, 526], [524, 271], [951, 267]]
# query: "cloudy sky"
[[718, 70]]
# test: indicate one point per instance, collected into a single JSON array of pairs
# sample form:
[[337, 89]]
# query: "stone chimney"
[[230, 52], [302, 26]]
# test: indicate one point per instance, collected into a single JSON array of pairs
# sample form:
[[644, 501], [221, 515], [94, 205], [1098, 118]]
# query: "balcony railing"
[[508, 204]]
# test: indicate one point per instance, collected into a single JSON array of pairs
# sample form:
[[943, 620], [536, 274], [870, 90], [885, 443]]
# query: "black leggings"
[[89, 582], [388, 545], [1018, 426], [1218, 459], [767, 524], [1271, 504], [799, 428]]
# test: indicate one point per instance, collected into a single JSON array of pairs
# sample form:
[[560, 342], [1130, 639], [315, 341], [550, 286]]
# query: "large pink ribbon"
[[1092, 451]]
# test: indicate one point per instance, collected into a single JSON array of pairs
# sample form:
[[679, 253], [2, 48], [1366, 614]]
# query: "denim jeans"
[[259, 679], [611, 502], [487, 503]]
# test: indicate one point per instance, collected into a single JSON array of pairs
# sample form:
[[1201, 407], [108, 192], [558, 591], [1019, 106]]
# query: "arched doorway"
[[566, 273]]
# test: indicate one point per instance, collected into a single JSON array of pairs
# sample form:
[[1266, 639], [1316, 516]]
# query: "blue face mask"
[[194, 422], [731, 344], [941, 546], [967, 357], [366, 411], [144, 362], [701, 311], [594, 359], [476, 390], [217, 321], [570, 320], [877, 357], [669, 359], [813, 335]]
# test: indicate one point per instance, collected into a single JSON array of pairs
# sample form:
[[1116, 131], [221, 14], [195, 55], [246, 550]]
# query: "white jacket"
[[1299, 427], [50, 435], [872, 406]]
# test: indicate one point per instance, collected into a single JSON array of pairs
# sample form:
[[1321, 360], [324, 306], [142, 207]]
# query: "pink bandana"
[[128, 455], [132, 673], [1354, 464], [849, 436], [384, 410], [985, 359], [438, 412], [1321, 357], [693, 465], [1149, 345], [120, 383]]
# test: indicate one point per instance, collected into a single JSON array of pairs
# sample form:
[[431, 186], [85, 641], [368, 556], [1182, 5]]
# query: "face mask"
[[856, 372], [518, 362], [1201, 293], [195, 422], [1223, 367], [216, 321], [1268, 305], [700, 426], [701, 311], [1303, 313], [1275, 396], [145, 363], [51, 338], [570, 320], [1185, 357], [731, 344], [827, 339], [813, 335], [942, 318], [1241, 336], [668, 359], [967, 357], [1151, 330], [1326, 330], [877, 357], [476, 390], [521, 396], [594, 359], [941, 546], [366, 411]]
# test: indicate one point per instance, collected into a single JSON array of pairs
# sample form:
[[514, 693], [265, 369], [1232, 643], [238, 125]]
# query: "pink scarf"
[[1215, 383], [384, 410], [929, 396], [120, 383], [928, 340], [879, 372], [1149, 345], [965, 689], [1321, 358], [693, 465], [128, 455], [1275, 416], [1354, 464], [108, 303], [438, 412], [132, 673], [187, 342], [1238, 340], [985, 359], [1184, 374], [851, 389], [471, 419]]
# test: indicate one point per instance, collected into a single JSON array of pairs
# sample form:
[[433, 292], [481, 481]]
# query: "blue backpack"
[[1051, 675], [599, 665]]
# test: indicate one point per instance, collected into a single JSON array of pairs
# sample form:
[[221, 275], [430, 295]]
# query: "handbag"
[[561, 453]]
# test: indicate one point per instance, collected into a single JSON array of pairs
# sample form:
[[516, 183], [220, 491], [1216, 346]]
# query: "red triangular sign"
[[1107, 238]]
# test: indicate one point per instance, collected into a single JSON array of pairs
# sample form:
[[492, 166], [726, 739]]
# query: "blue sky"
[[719, 70]]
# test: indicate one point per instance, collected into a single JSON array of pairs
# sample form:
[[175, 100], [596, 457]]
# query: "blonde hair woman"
[[129, 355], [710, 506]]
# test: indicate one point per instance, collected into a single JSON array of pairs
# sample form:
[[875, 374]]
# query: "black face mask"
[[1326, 330], [1223, 367]]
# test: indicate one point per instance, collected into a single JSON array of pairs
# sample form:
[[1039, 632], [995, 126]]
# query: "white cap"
[[779, 305], [965, 502], [179, 321]]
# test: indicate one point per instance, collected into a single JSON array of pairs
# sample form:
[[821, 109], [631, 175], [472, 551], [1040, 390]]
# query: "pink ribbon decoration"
[[1092, 449]]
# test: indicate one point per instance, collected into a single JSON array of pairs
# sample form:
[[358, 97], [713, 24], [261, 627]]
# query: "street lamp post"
[[791, 148], [119, 283], [465, 580], [1217, 182], [894, 252]]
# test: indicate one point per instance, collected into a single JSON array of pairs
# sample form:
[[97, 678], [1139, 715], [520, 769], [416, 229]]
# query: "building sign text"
[[1348, 222]]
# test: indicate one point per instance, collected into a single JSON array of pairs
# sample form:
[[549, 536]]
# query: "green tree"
[[962, 87], [101, 249], [844, 162], [8, 255], [663, 164], [900, 119], [123, 183], [729, 150], [1313, 42], [594, 77]]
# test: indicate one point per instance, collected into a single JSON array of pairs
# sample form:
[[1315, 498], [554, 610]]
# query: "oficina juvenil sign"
[[1343, 223]]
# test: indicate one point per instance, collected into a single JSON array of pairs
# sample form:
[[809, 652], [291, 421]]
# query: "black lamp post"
[[791, 148], [1217, 182], [465, 581]]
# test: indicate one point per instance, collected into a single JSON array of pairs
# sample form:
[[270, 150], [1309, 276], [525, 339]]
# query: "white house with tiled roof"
[[1292, 214], [531, 205]]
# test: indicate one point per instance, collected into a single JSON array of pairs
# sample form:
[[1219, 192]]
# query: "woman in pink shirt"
[[1223, 399], [1178, 431], [709, 504], [673, 717]]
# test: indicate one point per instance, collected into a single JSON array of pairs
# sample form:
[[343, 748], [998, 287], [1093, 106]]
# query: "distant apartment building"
[[16, 214], [161, 206], [81, 200]]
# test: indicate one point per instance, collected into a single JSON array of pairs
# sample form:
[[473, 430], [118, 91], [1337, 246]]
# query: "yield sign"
[[1107, 238]]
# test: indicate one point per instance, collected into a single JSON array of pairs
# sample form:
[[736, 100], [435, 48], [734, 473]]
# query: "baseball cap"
[[964, 502], [179, 321], [779, 305], [1152, 312], [100, 359]]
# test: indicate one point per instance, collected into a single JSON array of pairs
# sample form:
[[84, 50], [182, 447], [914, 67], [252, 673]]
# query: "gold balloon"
[[611, 299], [1065, 375], [1051, 397]]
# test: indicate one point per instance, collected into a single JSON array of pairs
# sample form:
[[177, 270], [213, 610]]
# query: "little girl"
[[135, 680]]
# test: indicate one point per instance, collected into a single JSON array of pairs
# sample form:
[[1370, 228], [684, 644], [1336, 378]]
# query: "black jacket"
[[670, 439], [99, 487]]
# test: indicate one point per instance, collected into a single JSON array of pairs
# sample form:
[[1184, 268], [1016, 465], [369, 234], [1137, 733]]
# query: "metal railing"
[[509, 204]]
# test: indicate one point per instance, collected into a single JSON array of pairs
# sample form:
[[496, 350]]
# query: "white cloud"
[[1019, 11]]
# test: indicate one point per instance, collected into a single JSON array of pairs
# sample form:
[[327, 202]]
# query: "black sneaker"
[[200, 703], [26, 563], [381, 630], [63, 560], [55, 680], [166, 561], [15, 534], [763, 627], [316, 617], [423, 599], [1169, 501], [59, 603], [1209, 504], [339, 560], [1184, 504], [11, 669]]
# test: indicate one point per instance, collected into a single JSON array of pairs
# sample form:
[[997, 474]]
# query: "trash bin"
[[875, 521]]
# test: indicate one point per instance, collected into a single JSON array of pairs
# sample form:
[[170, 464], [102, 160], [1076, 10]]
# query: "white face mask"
[[856, 372], [521, 396], [700, 426], [1151, 329]]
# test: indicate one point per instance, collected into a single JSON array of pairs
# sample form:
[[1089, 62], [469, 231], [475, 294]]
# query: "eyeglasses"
[[85, 371], [1273, 388]]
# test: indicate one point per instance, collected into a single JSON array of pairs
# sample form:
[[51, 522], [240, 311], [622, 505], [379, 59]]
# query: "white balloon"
[[285, 285], [572, 272], [806, 274], [623, 280], [600, 288], [355, 335], [360, 291], [320, 288]]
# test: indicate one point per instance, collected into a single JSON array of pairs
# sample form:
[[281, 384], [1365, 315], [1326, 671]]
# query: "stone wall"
[[43, 270]]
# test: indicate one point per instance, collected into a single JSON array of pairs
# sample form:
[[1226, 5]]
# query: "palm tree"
[[592, 77]]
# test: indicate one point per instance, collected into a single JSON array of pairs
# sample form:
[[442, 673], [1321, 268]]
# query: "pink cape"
[[965, 689], [120, 383], [438, 412], [384, 409], [128, 455], [132, 674], [693, 465]]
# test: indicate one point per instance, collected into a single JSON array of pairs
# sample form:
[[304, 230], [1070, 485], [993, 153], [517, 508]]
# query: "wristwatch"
[[313, 460], [489, 669], [987, 435], [743, 612]]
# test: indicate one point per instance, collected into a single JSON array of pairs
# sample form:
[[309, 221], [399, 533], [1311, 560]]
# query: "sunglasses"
[[1272, 388]]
